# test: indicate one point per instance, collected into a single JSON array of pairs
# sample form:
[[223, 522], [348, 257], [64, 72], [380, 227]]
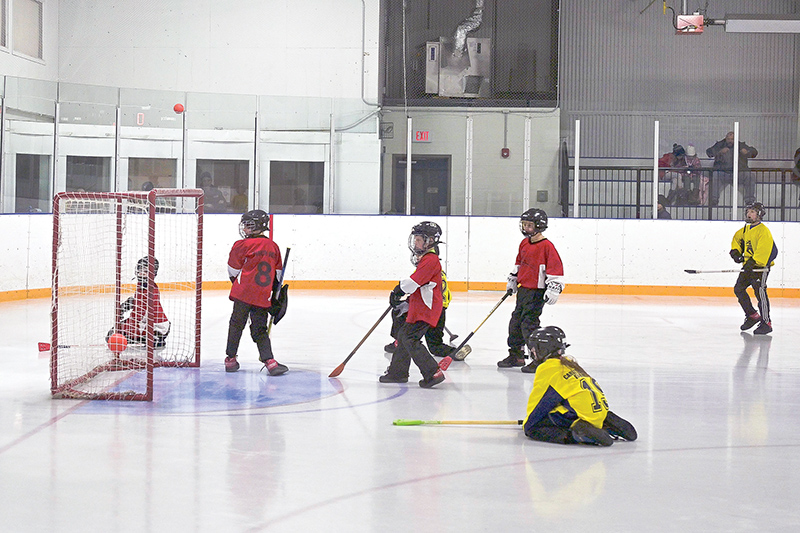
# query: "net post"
[[151, 279], [54, 298], [199, 274]]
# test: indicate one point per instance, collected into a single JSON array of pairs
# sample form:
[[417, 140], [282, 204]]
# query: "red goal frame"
[[69, 388]]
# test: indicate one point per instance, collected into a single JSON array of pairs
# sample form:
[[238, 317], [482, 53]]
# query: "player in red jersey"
[[134, 327], [537, 278], [424, 290], [254, 266]]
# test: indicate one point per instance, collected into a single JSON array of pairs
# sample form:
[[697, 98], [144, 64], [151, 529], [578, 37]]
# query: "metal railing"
[[627, 192]]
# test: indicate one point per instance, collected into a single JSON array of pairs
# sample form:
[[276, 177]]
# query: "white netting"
[[99, 239]]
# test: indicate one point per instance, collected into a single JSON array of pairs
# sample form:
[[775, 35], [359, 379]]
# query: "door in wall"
[[430, 185]]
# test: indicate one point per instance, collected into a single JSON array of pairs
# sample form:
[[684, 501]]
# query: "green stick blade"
[[404, 422]]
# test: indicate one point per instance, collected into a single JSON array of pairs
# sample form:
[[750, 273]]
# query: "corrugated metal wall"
[[621, 69]]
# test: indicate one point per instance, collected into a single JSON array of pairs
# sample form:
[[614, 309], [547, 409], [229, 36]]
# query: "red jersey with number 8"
[[254, 261]]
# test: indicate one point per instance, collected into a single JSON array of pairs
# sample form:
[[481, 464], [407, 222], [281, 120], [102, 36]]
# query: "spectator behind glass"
[[722, 153], [239, 202], [678, 162], [662, 211], [214, 199]]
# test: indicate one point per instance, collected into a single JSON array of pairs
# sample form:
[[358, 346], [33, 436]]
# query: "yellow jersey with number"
[[756, 241], [446, 296], [565, 394]]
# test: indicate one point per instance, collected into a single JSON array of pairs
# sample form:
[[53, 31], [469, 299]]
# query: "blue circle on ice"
[[207, 390]]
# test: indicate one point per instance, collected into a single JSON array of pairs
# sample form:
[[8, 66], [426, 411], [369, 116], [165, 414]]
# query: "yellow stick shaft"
[[403, 422]]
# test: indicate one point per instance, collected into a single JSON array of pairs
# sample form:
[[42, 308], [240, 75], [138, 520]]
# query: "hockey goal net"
[[127, 282]]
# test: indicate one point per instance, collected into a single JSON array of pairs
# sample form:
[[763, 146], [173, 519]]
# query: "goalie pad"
[[279, 304]]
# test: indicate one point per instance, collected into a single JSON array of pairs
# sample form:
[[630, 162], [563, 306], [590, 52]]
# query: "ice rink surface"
[[717, 411]]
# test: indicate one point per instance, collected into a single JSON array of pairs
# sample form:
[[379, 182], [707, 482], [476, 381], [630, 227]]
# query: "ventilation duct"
[[762, 24]]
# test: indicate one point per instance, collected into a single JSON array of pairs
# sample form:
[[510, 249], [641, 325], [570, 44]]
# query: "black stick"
[[280, 284], [691, 271]]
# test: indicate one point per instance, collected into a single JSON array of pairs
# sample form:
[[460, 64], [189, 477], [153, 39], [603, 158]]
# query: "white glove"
[[552, 291], [511, 284]]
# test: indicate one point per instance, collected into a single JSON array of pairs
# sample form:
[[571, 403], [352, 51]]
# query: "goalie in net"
[[134, 327], [99, 241]]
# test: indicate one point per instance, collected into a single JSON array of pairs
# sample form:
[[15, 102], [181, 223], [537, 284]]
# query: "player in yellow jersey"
[[566, 405], [753, 245]]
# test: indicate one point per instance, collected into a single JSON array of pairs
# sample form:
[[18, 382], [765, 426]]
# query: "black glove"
[[395, 297], [749, 265], [737, 256], [279, 304], [127, 305]]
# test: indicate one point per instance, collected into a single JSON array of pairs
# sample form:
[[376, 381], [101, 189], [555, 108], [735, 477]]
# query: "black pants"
[[434, 337], [259, 320], [546, 431], [409, 346], [757, 280], [525, 317]]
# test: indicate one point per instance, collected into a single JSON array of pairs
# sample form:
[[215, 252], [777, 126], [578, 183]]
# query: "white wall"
[[279, 47], [45, 69], [478, 249]]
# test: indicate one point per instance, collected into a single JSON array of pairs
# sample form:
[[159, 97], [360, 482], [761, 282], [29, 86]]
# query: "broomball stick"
[[404, 422], [692, 271], [503, 299], [338, 370], [453, 336]]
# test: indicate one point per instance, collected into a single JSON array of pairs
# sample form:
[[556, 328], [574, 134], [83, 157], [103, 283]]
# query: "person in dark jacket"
[[722, 153]]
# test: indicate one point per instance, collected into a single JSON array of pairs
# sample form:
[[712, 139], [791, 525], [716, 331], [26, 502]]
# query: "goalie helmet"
[[758, 207], [424, 238], [539, 219], [547, 342], [141, 268], [253, 223]]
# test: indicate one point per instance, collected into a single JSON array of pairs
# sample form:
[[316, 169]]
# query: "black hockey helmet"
[[253, 223], [430, 233], [758, 207], [141, 267], [537, 216], [547, 342]]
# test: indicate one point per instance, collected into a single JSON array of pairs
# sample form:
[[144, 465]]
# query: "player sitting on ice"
[[566, 404], [134, 327], [255, 266], [424, 290]]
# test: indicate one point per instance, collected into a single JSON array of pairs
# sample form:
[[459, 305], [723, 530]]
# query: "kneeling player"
[[134, 328], [566, 404]]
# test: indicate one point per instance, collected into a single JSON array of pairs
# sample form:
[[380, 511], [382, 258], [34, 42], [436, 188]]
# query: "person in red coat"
[[254, 267], [424, 300]]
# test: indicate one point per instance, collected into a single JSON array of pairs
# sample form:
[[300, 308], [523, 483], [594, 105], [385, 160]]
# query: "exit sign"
[[422, 136]]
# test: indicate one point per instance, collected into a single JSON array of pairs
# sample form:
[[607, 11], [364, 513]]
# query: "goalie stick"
[[404, 422], [692, 271]]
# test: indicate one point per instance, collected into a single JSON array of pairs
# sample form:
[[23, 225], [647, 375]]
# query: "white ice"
[[716, 411]]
